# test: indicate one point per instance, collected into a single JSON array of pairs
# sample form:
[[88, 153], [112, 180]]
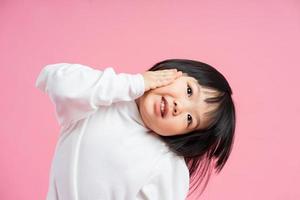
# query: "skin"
[[188, 102]]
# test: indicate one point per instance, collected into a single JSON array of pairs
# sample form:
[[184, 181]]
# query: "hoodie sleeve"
[[78, 90], [169, 181]]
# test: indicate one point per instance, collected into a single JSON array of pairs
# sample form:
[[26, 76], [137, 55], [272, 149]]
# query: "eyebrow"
[[198, 94]]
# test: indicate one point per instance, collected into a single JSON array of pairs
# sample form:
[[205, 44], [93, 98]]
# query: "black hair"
[[210, 147]]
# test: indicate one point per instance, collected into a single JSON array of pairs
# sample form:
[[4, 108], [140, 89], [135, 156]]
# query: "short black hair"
[[210, 147]]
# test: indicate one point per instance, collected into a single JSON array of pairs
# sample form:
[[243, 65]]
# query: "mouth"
[[164, 107]]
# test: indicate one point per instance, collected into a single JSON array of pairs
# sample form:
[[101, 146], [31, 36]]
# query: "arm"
[[170, 181], [78, 90]]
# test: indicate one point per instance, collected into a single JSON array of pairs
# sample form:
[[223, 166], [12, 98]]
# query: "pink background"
[[255, 44]]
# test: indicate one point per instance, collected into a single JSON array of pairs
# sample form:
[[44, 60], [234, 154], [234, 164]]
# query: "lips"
[[166, 108]]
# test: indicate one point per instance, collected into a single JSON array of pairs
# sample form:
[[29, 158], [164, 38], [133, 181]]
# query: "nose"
[[177, 109], [182, 106]]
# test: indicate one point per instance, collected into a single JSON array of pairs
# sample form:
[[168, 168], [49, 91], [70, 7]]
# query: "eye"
[[189, 89], [190, 92], [190, 119]]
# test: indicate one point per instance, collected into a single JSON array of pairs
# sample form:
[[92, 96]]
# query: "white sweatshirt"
[[104, 150]]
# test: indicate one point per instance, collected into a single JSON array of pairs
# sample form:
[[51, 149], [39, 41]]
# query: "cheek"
[[168, 88], [173, 125]]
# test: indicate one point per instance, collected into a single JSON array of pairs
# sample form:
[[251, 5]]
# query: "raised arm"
[[78, 90]]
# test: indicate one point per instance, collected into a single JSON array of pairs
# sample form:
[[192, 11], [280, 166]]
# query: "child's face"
[[190, 105]]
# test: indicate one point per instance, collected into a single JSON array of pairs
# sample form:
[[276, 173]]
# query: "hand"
[[159, 78]]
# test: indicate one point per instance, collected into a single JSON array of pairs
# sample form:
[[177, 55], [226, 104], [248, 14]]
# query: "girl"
[[137, 136]]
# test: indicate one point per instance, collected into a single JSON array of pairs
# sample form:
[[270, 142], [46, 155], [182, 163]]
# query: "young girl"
[[137, 136]]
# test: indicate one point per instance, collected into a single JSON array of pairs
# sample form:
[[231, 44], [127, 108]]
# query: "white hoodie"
[[104, 150]]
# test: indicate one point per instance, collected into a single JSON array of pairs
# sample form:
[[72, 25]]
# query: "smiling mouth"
[[163, 107]]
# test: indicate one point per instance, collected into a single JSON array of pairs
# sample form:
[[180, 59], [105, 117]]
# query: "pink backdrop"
[[255, 44]]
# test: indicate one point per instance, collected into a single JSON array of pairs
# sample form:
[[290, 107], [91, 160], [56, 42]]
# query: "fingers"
[[168, 71], [166, 77], [155, 79], [169, 74]]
